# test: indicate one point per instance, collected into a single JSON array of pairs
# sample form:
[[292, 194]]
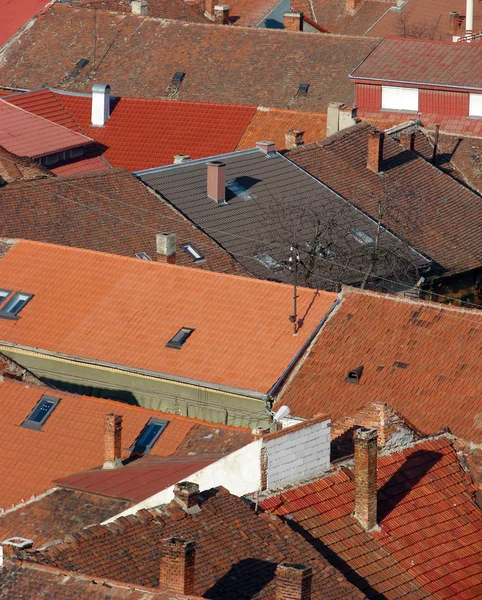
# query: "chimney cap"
[[366, 434], [354, 375], [266, 146], [179, 542], [186, 487], [103, 88]]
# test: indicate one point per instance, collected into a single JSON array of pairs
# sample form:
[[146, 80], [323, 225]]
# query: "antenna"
[[281, 413], [293, 262]]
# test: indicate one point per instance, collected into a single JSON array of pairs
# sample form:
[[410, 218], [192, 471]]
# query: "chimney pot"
[[365, 441], [216, 181], [266, 147], [221, 14], [186, 495], [166, 247], [180, 158], [140, 7], [375, 151], [293, 21], [176, 573], [100, 104], [293, 582], [112, 441], [294, 138], [454, 17], [351, 6]]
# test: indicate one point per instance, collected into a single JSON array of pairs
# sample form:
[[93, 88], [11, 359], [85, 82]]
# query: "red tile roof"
[[445, 64], [249, 13], [430, 536], [161, 9], [26, 134], [81, 166], [72, 438], [424, 359], [243, 337], [141, 55], [237, 551], [16, 14]]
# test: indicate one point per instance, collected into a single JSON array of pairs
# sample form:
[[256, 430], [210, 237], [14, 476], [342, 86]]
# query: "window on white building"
[[397, 98], [475, 105]]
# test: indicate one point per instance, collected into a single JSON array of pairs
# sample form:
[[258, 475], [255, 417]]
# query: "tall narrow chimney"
[[140, 7], [293, 21], [294, 138], [166, 247], [375, 151], [186, 496], [209, 9], [469, 17], [365, 441], [453, 23], [221, 14], [100, 104], [293, 582], [216, 181], [176, 573], [112, 441]]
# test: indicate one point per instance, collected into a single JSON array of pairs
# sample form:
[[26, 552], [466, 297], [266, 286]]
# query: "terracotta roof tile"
[[16, 14], [333, 16], [242, 339], [172, 9], [407, 557], [31, 460], [439, 345], [217, 60]]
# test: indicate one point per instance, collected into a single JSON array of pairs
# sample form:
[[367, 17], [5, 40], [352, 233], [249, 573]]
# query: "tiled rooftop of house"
[[420, 203], [424, 359], [426, 62], [271, 205], [16, 15], [429, 540], [242, 338], [26, 134], [180, 10], [217, 61], [72, 438], [17, 168], [108, 212], [236, 551]]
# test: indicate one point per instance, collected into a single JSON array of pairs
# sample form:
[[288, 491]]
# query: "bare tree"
[[406, 26]]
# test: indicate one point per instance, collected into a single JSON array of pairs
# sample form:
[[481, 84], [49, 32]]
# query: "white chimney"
[[100, 104], [140, 7], [469, 17]]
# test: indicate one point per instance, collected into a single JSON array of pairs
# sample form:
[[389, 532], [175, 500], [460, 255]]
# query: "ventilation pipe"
[[100, 104]]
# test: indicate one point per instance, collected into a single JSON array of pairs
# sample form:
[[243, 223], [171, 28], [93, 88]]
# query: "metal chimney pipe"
[[469, 17]]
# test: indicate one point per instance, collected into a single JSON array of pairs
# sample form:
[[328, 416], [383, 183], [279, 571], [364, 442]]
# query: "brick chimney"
[[221, 14], [112, 441], [293, 21], [266, 147], [100, 104], [293, 582], [176, 573], [216, 181], [351, 6], [140, 7], [454, 20], [294, 138], [166, 248], [209, 9], [365, 441], [375, 151], [186, 495]]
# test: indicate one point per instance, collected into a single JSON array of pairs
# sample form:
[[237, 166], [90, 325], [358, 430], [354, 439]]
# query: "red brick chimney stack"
[[351, 6], [113, 441], [294, 138], [176, 574], [375, 151], [166, 247], [293, 21], [293, 582], [366, 477], [209, 9], [217, 181], [186, 496], [454, 22]]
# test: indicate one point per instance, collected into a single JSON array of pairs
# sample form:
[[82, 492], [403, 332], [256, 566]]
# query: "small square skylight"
[[13, 306], [193, 252], [268, 261], [180, 338], [82, 63], [148, 436], [178, 77], [143, 255], [303, 89], [362, 237], [41, 412]]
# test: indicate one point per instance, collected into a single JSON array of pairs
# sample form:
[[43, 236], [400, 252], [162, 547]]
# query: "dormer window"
[[14, 305]]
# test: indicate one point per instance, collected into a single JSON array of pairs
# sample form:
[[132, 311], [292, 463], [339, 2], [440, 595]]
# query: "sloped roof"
[[108, 212], [242, 338], [17, 168], [171, 9], [142, 54], [26, 134], [16, 14], [423, 358], [237, 551], [403, 60], [429, 542], [72, 438], [420, 203]]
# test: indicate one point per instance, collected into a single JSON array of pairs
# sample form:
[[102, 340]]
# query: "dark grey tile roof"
[[285, 205]]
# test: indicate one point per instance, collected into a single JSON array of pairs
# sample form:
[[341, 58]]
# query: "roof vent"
[[100, 104], [354, 376]]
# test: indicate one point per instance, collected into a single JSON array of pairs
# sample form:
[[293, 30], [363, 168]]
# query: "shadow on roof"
[[250, 575]]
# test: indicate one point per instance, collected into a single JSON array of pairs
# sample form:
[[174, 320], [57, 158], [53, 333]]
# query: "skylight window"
[[41, 412], [362, 238], [143, 255], [13, 306], [193, 252], [239, 190], [82, 63], [303, 89], [148, 436], [178, 77], [269, 261], [180, 338], [4, 294]]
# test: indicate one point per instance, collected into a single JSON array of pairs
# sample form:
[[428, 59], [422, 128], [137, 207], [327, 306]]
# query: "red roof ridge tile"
[[422, 40]]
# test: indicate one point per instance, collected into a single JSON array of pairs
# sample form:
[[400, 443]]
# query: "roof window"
[[238, 189], [41, 412], [148, 436], [178, 341], [143, 255], [13, 306], [269, 261], [4, 294], [83, 62], [362, 238], [303, 89], [193, 252], [178, 77]]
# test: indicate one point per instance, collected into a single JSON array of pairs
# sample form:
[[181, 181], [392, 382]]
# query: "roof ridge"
[[425, 41]]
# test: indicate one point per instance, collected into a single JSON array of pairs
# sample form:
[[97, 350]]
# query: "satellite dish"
[[283, 412]]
